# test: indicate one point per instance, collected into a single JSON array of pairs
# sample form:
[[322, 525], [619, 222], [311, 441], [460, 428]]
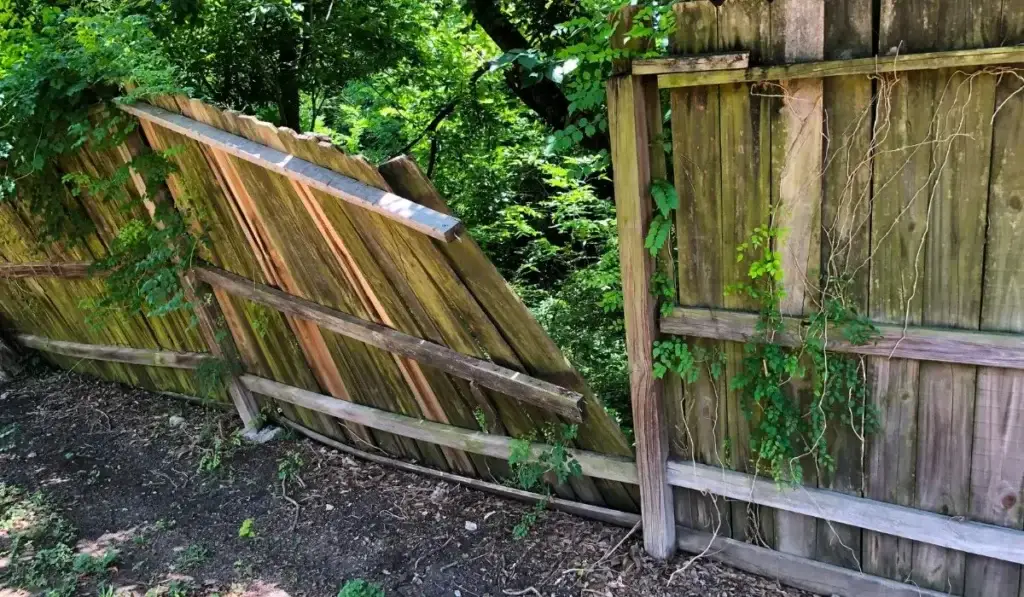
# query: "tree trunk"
[[288, 102]]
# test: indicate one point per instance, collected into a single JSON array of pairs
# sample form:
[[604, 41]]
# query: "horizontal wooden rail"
[[1000, 543], [803, 573], [691, 64], [601, 466], [75, 269], [858, 66], [964, 347], [116, 354], [511, 383], [433, 223]]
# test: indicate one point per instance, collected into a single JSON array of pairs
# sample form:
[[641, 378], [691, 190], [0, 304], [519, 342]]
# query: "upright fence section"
[[347, 297], [886, 182]]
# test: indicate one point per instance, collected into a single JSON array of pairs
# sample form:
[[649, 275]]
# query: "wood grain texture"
[[745, 129], [876, 65], [899, 218], [428, 221], [116, 354], [487, 374], [997, 461], [956, 346], [797, 157], [952, 289], [845, 238], [593, 464], [528, 344], [892, 519], [46, 270], [690, 64], [697, 412], [627, 109]]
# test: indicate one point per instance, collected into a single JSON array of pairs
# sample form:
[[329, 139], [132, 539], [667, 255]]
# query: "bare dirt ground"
[[161, 482]]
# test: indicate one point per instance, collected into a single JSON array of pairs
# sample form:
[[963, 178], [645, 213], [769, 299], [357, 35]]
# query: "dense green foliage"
[[501, 101]]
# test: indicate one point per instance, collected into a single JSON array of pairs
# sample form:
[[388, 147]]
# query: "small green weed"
[[288, 469], [40, 547], [193, 556], [217, 447], [534, 473], [248, 529], [361, 588]]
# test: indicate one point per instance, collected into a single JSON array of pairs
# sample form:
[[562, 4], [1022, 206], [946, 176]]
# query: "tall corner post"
[[630, 106]]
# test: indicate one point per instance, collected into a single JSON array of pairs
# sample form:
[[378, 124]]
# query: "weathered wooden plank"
[[797, 157], [513, 383], [845, 219], [79, 269], [745, 129], [116, 354], [997, 463], [521, 339], [435, 224], [615, 468], [691, 63], [266, 344], [627, 109], [838, 68], [795, 571], [902, 186], [952, 288], [992, 349], [892, 519], [697, 415]]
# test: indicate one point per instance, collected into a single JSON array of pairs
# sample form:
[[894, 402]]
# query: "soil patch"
[[163, 482]]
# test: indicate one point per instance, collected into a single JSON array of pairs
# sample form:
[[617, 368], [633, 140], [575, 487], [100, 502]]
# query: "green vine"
[[534, 472], [786, 430]]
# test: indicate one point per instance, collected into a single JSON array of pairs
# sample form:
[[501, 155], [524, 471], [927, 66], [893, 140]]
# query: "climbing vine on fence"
[[785, 429]]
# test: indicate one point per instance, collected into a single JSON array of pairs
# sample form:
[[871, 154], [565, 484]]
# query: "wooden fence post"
[[628, 105]]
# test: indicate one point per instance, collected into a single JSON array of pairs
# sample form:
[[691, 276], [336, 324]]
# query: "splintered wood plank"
[[37, 270], [997, 465], [428, 221], [845, 242], [745, 129], [697, 411], [482, 291], [627, 109], [952, 290], [797, 146]]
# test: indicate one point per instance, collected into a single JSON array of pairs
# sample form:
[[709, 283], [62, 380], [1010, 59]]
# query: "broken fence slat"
[[117, 354]]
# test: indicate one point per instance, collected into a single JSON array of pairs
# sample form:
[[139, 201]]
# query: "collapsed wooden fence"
[[900, 165], [355, 303]]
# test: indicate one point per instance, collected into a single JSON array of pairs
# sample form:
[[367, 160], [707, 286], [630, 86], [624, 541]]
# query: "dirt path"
[[123, 465]]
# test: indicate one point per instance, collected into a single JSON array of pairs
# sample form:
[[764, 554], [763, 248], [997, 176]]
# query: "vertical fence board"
[[997, 466], [697, 413], [952, 297], [845, 236], [627, 108], [902, 184], [798, 28], [746, 193]]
